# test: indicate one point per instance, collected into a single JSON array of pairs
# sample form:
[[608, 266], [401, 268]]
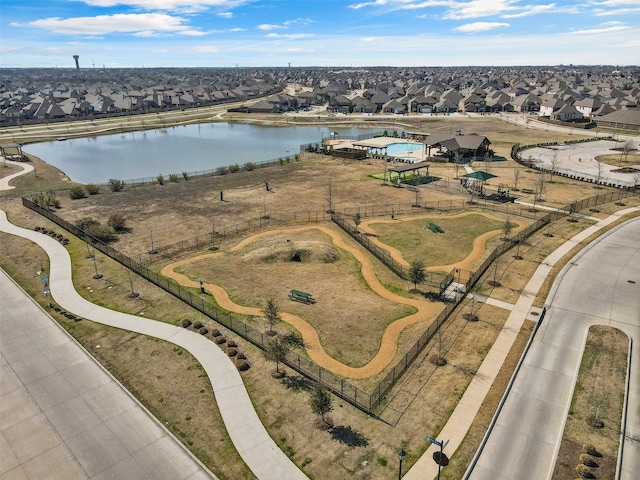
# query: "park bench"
[[303, 297], [527, 190], [434, 228]]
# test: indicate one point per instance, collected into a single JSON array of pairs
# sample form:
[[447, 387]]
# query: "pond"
[[188, 148]]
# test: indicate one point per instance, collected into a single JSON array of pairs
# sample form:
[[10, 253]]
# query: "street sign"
[[434, 441]]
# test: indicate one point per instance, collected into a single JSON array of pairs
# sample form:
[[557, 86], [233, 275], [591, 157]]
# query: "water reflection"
[[174, 150]]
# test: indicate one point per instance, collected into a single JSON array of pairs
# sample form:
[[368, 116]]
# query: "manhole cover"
[[535, 314], [633, 282]]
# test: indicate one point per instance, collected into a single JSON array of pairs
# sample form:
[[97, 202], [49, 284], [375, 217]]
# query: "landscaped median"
[[591, 437]]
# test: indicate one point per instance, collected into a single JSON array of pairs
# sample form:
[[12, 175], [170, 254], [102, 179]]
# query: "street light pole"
[[401, 455]]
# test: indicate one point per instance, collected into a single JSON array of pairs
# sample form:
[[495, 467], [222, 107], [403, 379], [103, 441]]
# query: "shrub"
[[186, 323], [96, 229], [584, 471], [235, 168], [249, 166], [586, 459], [296, 157], [222, 170], [76, 193], [231, 344], [92, 188], [203, 331], [185, 175], [115, 185], [241, 356], [197, 325], [117, 222], [591, 450], [160, 179], [215, 332], [173, 177], [242, 366], [232, 352], [220, 340]]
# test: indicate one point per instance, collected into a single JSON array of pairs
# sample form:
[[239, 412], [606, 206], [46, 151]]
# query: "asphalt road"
[[595, 288]]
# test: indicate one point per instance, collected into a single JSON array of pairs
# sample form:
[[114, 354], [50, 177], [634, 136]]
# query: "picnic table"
[[434, 228], [303, 297]]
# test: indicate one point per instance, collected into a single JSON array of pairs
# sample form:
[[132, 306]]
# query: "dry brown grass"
[[600, 391], [348, 317], [165, 378]]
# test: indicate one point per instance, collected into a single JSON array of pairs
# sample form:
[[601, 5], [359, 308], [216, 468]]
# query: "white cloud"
[[139, 24], [480, 27], [531, 10], [192, 33], [226, 14], [269, 26], [607, 27], [289, 36], [479, 8], [617, 12]]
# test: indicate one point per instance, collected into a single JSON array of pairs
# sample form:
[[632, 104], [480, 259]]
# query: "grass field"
[[348, 316]]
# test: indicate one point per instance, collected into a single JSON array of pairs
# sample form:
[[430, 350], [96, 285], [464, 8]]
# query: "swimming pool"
[[401, 148]]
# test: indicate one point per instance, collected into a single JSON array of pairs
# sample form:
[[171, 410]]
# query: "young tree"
[[506, 228], [600, 167], [417, 273], [330, 198], [357, 220], [516, 177], [321, 402], [540, 186], [553, 165], [271, 313], [276, 350]]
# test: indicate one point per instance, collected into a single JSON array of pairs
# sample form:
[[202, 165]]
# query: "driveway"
[[594, 289]]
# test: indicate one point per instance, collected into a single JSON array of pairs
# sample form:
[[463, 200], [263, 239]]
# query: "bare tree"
[[553, 165], [516, 177], [600, 167], [628, 145], [330, 198], [540, 186]]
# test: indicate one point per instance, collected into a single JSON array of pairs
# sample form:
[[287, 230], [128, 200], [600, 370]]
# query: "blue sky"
[[351, 33]]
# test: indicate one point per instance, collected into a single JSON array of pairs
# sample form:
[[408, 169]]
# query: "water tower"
[[76, 57]]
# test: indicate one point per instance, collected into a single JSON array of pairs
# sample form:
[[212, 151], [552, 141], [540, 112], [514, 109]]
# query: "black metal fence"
[[342, 388], [313, 216]]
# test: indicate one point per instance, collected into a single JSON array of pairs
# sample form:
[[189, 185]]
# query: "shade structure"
[[479, 175]]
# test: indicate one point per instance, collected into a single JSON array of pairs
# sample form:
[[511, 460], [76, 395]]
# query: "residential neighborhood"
[[590, 95]]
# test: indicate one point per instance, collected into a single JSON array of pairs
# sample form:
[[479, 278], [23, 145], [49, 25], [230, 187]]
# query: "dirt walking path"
[[465, 264], [389, 343]]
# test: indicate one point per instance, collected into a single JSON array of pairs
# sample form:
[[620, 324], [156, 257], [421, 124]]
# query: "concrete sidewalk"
[[465, 412], [63, 416], [4, 181], [245, 429]]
